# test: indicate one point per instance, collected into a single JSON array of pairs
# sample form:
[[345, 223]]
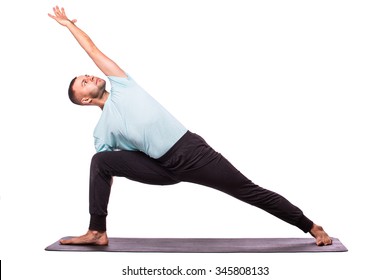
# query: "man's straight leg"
[[221, 175], [193, 160]]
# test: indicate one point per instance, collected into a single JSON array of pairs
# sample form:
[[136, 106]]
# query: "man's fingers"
[[59, 14], [55, 10], [58, 11]]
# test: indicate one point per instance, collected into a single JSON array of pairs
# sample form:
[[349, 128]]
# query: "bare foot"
[[322, 238], [90, 238]]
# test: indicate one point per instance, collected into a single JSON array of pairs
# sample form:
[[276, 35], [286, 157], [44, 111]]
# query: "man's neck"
[[103, 100]]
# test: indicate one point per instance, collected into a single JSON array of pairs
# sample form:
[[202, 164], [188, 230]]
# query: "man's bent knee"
[[99, 161]]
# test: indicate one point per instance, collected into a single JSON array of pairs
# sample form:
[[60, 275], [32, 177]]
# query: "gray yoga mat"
[[205, 245]]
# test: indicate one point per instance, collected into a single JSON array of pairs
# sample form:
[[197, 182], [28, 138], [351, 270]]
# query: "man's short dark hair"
[[71, 92]]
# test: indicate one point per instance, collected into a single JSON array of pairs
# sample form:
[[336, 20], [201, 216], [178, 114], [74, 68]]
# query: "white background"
[[294, 93]]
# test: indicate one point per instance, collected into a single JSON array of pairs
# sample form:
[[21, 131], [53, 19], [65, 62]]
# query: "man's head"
[[86, 90]]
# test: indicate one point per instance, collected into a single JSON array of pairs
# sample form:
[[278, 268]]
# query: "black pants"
[[191, 159]]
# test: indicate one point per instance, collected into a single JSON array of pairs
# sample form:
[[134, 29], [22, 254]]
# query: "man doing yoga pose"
[[138, 139]]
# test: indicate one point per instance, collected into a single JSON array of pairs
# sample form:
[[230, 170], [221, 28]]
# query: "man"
[[138, 139]]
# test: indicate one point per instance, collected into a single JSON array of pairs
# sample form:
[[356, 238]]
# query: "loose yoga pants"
[[191, 159]]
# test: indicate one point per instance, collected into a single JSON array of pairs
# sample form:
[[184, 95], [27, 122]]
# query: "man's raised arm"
[[105, 64]]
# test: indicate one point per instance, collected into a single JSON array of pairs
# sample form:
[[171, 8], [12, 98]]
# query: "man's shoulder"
[[120, 80]]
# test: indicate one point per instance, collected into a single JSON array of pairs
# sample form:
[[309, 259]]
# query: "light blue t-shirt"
[[133, 120]]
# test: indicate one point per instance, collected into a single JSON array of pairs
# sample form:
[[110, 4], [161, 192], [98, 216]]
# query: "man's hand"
[[105, 64], [60, 16]]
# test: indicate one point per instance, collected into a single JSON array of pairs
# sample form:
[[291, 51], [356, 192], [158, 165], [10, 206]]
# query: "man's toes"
[[65, 241], [324, 242]]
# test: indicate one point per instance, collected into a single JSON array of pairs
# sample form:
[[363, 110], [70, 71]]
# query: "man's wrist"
[[69, 23]]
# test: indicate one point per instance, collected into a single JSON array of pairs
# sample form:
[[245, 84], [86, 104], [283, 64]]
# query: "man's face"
[[87, 86]]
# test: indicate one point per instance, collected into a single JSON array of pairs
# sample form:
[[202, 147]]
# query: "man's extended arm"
[[105, 64]]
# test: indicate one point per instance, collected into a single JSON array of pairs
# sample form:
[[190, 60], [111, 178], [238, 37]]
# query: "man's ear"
[[86, 101]]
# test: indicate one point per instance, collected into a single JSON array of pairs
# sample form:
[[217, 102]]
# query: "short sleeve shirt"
[[133, 120]]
